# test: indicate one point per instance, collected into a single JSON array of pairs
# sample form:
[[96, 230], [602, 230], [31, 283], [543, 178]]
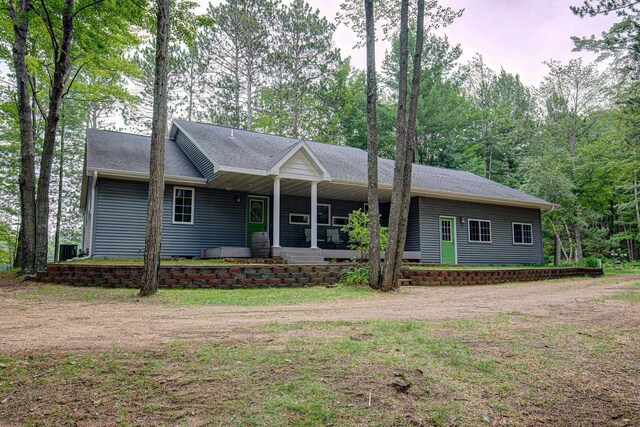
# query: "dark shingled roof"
[[127, 152], [258, 151], [253, 150]]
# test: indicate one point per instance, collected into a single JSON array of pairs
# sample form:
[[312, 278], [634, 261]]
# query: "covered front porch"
[[300, 207]]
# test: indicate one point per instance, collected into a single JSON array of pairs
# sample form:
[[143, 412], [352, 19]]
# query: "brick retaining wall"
[[247, 276]]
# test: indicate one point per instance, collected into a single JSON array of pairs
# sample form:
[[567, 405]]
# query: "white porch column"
[[276, 211], [314, 214]]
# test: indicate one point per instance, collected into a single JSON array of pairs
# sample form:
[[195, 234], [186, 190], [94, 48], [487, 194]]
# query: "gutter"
[[458, 196]]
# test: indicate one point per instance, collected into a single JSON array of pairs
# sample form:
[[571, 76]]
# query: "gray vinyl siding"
[[194, 154], [501, 250], [413, 225], [292, 235], [219, 220]]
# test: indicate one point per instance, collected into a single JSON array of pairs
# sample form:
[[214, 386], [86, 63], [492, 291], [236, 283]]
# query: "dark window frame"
[[307, 216], [479, 238], [522, 233]]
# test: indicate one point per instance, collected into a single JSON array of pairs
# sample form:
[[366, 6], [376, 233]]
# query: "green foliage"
[[356, 276], [358, 231], [590, 262], [305, 70]]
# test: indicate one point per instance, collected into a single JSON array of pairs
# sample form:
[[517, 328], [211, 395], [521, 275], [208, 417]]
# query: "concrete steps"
[[303, 256]]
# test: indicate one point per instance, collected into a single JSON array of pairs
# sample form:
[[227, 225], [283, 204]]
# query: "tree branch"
[[86, 6], [73, 79], [49, 26], [35, 98]]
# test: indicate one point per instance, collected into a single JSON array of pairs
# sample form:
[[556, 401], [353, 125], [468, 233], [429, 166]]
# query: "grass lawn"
[[194, 297], [633, 296], [508, 369], [621, 269], [476, 267]]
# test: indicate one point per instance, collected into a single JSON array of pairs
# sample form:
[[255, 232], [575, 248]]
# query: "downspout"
[[93, 209]]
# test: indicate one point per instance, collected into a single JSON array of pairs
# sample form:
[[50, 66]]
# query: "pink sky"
[[517, 35]]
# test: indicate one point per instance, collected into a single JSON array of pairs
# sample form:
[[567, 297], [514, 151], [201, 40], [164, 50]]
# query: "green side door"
[[257, 215], [447, 240]]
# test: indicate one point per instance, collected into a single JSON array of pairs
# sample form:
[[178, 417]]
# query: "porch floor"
[[325, 254]]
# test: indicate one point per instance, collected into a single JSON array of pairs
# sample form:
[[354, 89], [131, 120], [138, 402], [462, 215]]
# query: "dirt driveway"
[[27, 325]]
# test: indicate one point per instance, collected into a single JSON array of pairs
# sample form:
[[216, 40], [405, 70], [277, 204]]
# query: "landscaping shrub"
[[590, 262], [358, 231], [356, 276]]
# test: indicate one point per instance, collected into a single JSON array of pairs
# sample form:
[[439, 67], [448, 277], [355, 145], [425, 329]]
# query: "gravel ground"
[[53, 325]]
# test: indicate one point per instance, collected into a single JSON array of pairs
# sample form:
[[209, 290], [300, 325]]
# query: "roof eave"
[[120, 174], [462, 196]]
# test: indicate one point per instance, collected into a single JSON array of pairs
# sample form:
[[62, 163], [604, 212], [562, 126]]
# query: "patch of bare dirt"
[[52, 325]]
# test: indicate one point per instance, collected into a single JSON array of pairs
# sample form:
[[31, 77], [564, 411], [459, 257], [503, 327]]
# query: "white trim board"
[[193, 206]]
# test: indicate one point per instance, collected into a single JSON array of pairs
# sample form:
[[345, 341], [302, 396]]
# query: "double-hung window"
[[183, 205], [480, 231], [522, 233]]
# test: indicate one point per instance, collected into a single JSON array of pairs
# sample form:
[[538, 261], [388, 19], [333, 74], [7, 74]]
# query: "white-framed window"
[[184, 199], [298, 219], [365, 207], [522, 233], [479, 231], [324, 214], [340, 221]]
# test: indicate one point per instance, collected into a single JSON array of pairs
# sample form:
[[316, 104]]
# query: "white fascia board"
[[112, 173], [275, 170], [243, 170]]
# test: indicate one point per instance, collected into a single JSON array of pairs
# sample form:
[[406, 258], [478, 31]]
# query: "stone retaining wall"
[[251, 276], [488, 277], [240, 276]]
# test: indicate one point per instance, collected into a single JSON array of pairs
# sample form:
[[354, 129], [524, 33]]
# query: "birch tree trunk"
[[56, 252], [153, 238], [578, 235], [401, 139], [372, 150], [27, 181]]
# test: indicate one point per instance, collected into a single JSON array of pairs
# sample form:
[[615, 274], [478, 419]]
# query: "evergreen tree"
[[301, 57]]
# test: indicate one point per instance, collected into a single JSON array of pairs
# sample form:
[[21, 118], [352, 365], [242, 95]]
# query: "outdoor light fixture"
[[237, 199], [461, 218]]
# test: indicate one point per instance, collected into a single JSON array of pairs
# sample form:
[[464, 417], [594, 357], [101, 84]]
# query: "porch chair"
[[307, 235], [333, 236]]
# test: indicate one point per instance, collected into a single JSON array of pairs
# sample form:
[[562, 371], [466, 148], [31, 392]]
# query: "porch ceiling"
[[263, 185]]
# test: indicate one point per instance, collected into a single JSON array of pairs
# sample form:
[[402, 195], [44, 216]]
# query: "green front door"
[[447, 240], [257, 216]]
